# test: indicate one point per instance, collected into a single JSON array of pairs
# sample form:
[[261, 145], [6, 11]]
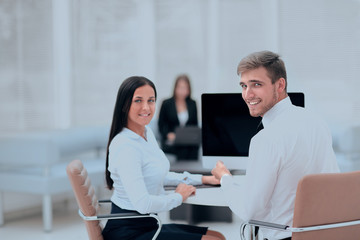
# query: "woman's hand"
[[171, 136], [212, 180], [185, 190]]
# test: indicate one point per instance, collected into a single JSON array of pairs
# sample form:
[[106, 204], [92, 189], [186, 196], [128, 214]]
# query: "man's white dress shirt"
[[292, 144], [140, 169]]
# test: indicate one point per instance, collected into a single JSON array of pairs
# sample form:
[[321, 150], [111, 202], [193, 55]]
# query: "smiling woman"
[[137, 169], [142, 109]]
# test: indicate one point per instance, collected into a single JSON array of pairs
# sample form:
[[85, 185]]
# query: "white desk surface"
[[212, 196]]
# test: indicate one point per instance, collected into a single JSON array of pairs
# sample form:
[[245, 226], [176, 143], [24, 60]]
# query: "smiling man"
[[261, 92], [292, 144]]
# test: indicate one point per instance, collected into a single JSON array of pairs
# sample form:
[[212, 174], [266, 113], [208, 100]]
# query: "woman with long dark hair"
[[137, 170]]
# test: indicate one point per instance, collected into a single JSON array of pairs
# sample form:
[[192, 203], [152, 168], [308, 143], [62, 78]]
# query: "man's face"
[[258, 92]]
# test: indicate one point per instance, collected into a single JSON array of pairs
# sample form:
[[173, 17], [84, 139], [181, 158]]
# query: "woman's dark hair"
[[185, 78], [121, 112]]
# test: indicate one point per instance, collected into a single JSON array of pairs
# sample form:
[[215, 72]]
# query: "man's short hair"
[[270, 61]]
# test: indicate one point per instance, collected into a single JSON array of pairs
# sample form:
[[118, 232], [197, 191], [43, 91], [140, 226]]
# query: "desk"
[[208, 197], [212, 196], [208, 204]]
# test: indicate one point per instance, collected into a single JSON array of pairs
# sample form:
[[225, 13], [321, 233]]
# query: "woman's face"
[[182, 90], [142, 107]]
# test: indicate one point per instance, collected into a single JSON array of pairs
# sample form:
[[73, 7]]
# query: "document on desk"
[[212, 196]]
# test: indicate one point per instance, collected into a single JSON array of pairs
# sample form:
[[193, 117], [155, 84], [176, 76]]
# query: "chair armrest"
[[280, 227], [124, 216], [256, 223], [116, 216], [270, 225]]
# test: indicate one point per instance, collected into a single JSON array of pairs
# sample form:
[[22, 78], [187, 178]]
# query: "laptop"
[[188, 135]]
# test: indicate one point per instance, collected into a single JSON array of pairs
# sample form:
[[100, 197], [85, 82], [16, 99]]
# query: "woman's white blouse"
[[183, 118], [140, 169]]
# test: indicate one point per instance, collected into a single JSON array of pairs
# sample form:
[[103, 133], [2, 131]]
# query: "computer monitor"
[[227, 128]]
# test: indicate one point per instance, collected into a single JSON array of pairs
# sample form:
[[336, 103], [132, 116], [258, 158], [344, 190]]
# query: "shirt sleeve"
[[173, 179], [252, 200], [127, 164]]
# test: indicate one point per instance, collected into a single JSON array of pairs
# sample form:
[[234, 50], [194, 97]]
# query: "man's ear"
[[281, 85]]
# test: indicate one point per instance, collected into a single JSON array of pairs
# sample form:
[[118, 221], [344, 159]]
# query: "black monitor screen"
[[227, 126]]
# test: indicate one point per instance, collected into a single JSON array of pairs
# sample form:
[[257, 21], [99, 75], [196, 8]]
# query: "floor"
[[68, 225]]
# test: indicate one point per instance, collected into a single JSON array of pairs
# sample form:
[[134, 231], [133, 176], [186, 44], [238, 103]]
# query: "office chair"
[[327, 206], [89, 206]]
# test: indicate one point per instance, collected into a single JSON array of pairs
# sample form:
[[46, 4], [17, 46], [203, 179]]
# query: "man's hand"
[[210, 180], [219, 170]]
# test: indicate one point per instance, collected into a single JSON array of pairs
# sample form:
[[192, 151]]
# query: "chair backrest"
[[85, 197], [326, 199]]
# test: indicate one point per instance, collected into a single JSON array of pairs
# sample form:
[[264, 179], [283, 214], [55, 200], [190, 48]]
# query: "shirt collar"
[[132, 134], [277, 109]]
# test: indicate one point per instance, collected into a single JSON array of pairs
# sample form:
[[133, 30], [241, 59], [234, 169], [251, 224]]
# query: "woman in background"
[[137, 170], [178, 111]]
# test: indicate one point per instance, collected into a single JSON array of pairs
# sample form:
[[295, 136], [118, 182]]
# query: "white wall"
[[111, 40], [320, 42], [26, 67]]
